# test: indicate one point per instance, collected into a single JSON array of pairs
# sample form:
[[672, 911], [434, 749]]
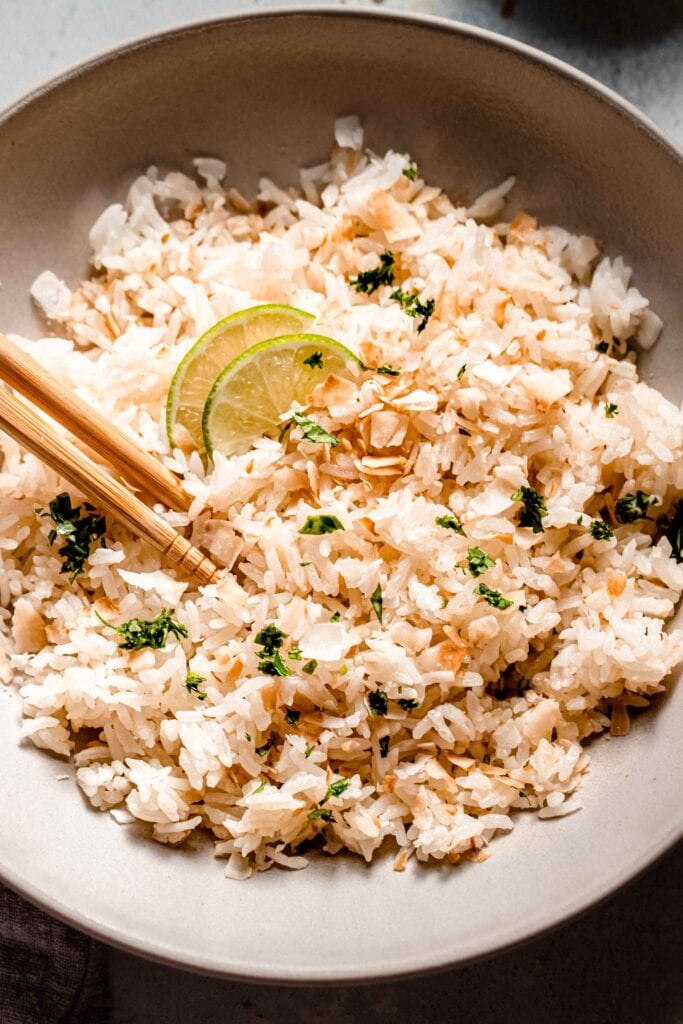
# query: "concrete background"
[[622, 961]]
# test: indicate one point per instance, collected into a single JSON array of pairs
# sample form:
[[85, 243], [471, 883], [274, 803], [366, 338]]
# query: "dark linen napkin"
[[49, 973]]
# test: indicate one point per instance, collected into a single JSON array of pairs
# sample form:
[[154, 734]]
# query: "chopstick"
[[30, 379], [19, 421]]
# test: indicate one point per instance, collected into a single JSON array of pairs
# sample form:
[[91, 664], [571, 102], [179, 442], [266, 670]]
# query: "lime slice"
[[251, 394], [216, 348]]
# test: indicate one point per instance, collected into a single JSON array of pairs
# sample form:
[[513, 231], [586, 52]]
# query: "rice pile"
[[433, 726]]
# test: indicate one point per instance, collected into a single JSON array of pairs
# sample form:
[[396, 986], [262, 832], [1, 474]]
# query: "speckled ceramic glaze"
[[261, 91]]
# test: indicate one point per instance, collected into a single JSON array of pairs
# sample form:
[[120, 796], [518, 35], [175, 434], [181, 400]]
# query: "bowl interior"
[[261, 92]]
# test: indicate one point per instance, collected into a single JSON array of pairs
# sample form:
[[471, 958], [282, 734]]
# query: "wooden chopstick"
[[19, 421], [30, 379]]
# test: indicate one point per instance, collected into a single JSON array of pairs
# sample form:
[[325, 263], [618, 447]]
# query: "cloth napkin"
[[49, 973]]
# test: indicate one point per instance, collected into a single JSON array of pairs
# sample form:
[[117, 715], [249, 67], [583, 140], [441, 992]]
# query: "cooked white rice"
[[523, 308]]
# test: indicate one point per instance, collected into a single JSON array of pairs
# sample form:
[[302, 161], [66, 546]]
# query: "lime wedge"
[[261, 384], [216, 348]]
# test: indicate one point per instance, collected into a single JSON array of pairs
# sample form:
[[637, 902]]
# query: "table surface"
[[622, 961]]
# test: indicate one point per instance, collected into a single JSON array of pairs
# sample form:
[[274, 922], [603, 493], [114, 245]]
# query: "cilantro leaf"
[[310, 667], [407, 703], [378, 702], [292, 716], [478, 561], [389, 370], [270, 638], [410, 172], [192, 684], [377, 601], [370, 280], [262, 751], [153, 633], [461, 372], [413, 306], [315, 361], [78, 528], [493, 597], [634, 506], [611, 410], [599, 530], [294, 652], [449, 522], [534, 508], [336, 789], [674, 533], [312, 431], [274, 666], [317, 525], [335, 616], [322, 813]]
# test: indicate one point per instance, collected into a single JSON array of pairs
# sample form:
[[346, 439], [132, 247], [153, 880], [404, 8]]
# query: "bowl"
[[261, 91]]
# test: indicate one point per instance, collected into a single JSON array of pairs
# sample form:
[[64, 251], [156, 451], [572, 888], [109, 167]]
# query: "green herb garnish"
[[602, 346], [410, 172], [270, 638], [674, 533], [192, 684], [315, 526], [493, 597], [294, 652], [378, 702], [78, 526], [370, 280], [312, 431], [335, 616], [377, 601], [322, 813], [461, 372], [413, 306], [336, 789], [309, 750], [599, 530], [384, 745], [634, 506], [259, 789], [274, 666], [611, 410], [309, 668], [262, 751], [153, 633], [407, 703], [389, 370], [315, 361], [534, 508], [292, 716], [449, 522], [478, 561]]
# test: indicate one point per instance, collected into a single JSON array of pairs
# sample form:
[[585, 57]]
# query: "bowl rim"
[[590, 897]]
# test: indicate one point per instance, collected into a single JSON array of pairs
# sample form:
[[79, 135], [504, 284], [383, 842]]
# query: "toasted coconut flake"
[[401, 860], [387, 429], [392, 217], [335, 392], [28, 628], [616, 583]]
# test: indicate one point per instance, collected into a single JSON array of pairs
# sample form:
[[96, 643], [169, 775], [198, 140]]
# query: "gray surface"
[[624, 954]]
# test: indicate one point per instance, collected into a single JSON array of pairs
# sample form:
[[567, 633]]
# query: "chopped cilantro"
[[602, 346], [413, 306], [192, 684], [335, 617], [370, 280], [461, 371], [309, 668], [674, 532], [384, 745], [444, 602], [292, 716], [377, 601], [259, 789], [322, 813], [410, 172], [634, 506], [378, 702], [315, 361], [294, 653], [599, 530], [493, 597], [534, 508], [478, 561], [611, 410], [153, 633], [78, 529], [270, 638], [389, 370], [262, 751], [407, 703], [309, 750], [304, 564], [336, 789], [312, 431], [317, 525], [579, 520], [449, 522], [274, 666]]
